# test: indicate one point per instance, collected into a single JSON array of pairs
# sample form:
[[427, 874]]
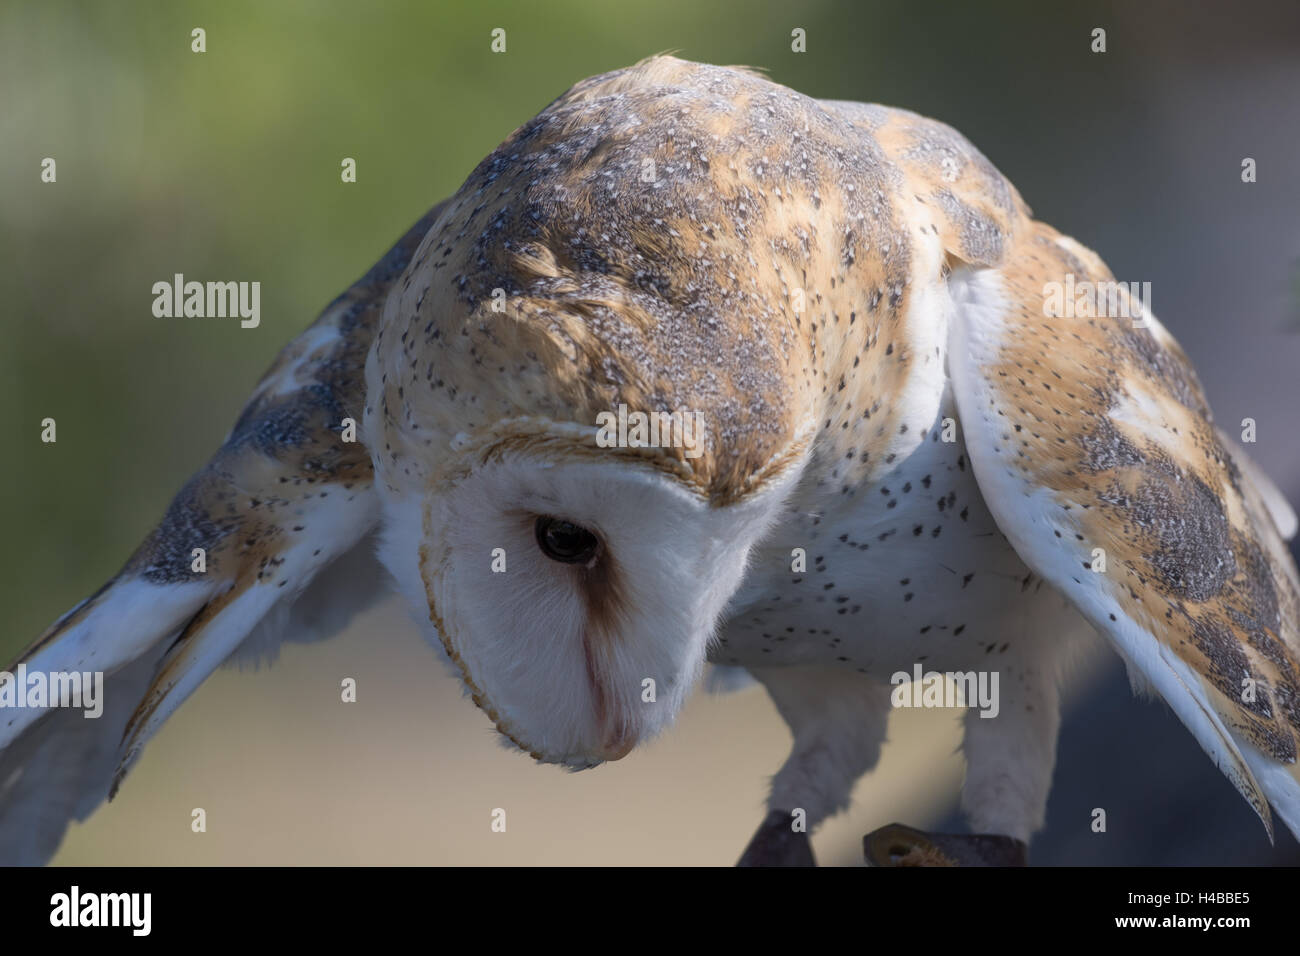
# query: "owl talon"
[[898, 845], [774, 843]]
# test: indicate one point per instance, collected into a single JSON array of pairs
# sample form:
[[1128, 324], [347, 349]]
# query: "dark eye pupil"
[[565, 541]]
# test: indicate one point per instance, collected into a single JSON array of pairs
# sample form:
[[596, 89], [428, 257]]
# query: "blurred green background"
[[226, 165]]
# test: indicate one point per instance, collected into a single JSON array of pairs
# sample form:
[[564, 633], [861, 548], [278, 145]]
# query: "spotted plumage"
[[853, 299]]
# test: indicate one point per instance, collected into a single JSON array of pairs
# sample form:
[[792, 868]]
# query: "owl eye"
[[565, 541]]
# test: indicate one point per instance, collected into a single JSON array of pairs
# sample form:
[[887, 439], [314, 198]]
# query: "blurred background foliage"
[[225, 165]]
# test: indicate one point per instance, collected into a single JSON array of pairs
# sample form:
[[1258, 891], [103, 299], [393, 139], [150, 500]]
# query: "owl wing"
[[1094, 447], [286, 495]]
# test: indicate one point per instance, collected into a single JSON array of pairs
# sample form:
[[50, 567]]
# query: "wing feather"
[[1090, 437], [282, 498]]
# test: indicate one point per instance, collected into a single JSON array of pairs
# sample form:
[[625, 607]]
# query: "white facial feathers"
[[575, 663]]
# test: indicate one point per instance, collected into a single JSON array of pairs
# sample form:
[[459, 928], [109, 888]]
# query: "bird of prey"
[[912, 453]]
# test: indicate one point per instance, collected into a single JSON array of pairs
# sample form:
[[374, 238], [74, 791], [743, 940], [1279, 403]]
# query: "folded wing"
[[1094, 447]]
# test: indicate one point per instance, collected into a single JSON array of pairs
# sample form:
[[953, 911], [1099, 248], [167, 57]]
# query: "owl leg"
[[1010, 749], [1009, 758], [1011, 752], [838, 720]]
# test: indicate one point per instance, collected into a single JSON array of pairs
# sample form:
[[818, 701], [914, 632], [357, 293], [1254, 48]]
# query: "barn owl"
[[911, 454]]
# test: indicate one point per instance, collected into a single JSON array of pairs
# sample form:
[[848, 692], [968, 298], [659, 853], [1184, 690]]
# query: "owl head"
[[576, 592], [568, 542]]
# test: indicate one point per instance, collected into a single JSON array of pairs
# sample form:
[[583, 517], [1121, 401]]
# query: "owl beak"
[[616, 748]]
